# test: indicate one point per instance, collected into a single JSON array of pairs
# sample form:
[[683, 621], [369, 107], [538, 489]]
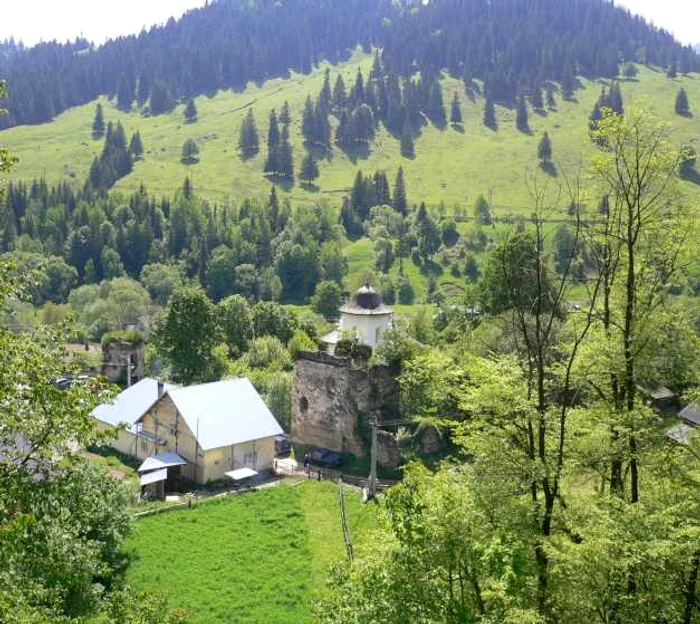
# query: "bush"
[[406, 293], [300, 343]]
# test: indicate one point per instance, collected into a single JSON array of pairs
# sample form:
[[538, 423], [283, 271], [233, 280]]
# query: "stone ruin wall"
[[332, 399]]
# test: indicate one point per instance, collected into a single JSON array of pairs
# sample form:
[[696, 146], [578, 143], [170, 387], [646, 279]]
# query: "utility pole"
[[372, 493], [128, 371]]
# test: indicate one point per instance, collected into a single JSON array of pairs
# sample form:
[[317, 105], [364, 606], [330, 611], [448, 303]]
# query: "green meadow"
[[451, 165], [259, 557]]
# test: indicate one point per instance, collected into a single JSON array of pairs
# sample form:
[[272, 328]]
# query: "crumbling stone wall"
[[333, 400], [116, 354]]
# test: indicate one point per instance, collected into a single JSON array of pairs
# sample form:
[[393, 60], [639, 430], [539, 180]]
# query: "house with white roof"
[[123, 414], [208, 430]]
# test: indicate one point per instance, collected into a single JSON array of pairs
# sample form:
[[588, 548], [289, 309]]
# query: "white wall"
[[369, 328]]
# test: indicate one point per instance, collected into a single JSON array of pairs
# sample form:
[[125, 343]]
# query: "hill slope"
[[451, 166], [512, 45]]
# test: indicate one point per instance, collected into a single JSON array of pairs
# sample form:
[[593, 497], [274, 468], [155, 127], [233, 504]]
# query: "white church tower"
[[364, 318]]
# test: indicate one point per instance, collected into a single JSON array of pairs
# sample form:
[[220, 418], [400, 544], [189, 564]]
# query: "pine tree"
[[615, 97], [551, 102], [187, 191], [322, 127], [437, 106], [358, 91], [489, 114], [248, 141], [682, 104], [536, 99], [98, 125], [125, 94], [324, 97], [189, 151], [407, 145], [308, 123], [544, 149], [400, 202], [286, 114], [309, 169], [191, 111], [340, 96], [456, 111], [136, 146], [273, 132], [344, 132], [521, 120]]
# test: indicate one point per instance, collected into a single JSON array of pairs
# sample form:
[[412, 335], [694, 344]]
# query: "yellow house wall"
[[164, 421], [127, 442], [260, 456]]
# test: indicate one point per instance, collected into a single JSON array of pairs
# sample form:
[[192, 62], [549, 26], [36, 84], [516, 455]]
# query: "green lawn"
[[258, 557], [451, 166]]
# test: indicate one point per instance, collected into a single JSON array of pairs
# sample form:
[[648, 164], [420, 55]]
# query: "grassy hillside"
[[451, 165], [259, 557]]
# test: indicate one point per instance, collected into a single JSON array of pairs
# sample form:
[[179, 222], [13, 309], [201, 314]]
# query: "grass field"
[[451, 165], [260, 557]]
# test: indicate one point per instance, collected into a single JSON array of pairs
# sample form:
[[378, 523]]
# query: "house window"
[[250, 459], [378, 334], [144, 446], [304, 405]]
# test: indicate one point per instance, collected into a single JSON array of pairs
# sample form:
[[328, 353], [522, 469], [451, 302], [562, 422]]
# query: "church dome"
[[366, 300]]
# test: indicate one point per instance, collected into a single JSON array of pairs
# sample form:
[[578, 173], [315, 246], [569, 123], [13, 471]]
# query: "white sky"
[[97, 20], [679, 17]]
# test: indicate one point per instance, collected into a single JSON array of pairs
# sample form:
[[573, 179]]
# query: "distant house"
[[123, 414], [691, 414], [684, 432], [214, 429]]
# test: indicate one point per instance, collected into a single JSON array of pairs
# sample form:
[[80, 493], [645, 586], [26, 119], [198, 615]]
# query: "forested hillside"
[[512, 45]]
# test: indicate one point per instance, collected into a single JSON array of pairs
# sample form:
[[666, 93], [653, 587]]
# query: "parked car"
[[282, 445], [324, 457]]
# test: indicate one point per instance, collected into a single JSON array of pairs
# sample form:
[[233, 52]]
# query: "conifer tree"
[[189, 151], [308, 121], [248, 141], [456, 111], [98, 125], [615, 98], [490, 114], [436, 106], [273, 132], [286, 114], [340, 96], [321, 127], [358, 91], [536, 99], [187, 191], [136, 146], [324, 97], [682, 104], [309, 169], [407, 145], [191, 111], [381, 189], [125, 94], [521, 120], [400, 202], [551, 102], [344, 132], [544, 149]]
